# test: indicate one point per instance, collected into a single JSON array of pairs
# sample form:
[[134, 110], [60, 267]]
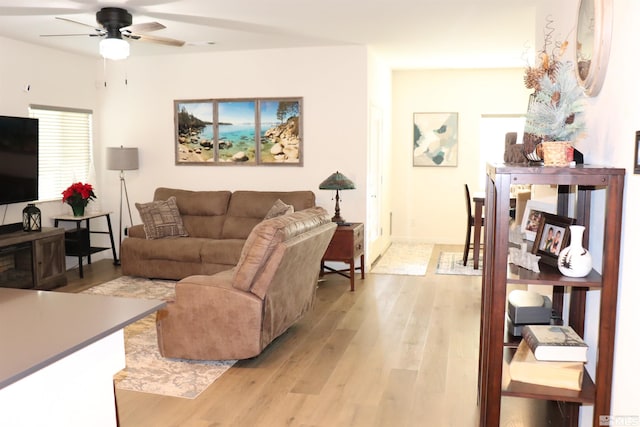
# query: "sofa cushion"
[[184, 249], [221, 251], [203, 212], [161, 219], [248, 208], [279, 208]]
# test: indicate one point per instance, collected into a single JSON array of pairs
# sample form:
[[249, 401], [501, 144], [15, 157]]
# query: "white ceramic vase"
[[574, 260]]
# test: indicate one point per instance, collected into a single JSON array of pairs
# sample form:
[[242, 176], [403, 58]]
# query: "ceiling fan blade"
[[80, 23], [154, 39], [36, 11], [220, 23], [68, 35], [145, 27]]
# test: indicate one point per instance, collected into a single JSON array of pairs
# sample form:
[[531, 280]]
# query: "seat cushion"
[[221, 251]]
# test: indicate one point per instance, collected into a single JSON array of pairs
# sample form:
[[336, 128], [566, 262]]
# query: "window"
[[64, 148]]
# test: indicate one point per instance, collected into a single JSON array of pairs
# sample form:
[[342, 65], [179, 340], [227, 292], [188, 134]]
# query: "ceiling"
[[405, 33]]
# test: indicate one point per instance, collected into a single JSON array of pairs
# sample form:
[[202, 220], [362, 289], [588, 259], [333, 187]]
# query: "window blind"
[[65, 141]]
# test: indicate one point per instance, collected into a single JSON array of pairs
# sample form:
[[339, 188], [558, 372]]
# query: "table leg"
[[116, 261], [362, 266], [477, 228], [352, 275], [78, 227], [89, 233]]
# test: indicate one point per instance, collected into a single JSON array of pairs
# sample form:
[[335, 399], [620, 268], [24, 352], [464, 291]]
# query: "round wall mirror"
[[593, 38]]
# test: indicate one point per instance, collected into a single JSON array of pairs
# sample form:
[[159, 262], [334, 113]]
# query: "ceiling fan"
[[116, 26]]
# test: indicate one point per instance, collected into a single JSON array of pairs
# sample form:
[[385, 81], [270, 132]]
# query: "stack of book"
[[550, 355]]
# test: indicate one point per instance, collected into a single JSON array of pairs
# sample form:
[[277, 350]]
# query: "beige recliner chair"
[[236, 313]]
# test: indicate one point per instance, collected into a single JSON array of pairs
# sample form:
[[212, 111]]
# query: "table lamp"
[[122, 159], [337, 181]]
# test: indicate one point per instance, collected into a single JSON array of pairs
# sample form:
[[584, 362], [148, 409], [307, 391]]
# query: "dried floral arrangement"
[[555, 111]]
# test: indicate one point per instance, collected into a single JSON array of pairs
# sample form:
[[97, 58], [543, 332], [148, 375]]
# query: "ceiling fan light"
[[113, 48]]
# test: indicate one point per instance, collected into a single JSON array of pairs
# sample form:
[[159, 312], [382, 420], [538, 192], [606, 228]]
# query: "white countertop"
[[38, 328]]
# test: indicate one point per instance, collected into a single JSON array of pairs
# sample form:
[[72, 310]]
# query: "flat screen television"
[[18, 159]]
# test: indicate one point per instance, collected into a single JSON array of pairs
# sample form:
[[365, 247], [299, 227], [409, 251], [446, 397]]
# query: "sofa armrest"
[[136, 231], [206, 313]]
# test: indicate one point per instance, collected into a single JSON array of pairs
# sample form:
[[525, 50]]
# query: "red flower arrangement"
[[78, 196]]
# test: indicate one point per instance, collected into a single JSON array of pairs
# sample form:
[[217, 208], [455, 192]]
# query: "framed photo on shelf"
[[532, 216], [435, 139], [552, 236]]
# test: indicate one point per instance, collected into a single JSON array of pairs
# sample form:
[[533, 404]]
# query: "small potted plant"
[[78, 196], [555, 114]]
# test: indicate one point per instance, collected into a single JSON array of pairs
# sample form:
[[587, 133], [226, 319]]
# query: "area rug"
[[147, 371], [409, 259], [451, 263]]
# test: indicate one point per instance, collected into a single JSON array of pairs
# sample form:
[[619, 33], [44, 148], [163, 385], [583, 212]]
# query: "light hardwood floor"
[[399, 351]]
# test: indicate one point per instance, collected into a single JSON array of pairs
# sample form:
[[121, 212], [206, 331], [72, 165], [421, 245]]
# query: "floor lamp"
[[122, 159]]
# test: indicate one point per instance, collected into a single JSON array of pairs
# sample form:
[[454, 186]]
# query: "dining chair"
[[471, 222]]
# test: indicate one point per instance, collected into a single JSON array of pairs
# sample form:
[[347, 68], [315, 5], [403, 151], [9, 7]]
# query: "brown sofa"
[[217, 224], [236, 313]]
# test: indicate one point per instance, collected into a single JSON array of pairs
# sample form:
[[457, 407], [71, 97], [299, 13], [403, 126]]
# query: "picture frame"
[[435, 139], [532, 216], [239, 131], [552, 236], [636, 158]]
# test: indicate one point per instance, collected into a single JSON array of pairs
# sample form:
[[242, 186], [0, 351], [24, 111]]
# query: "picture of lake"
[[195, 131], [234, 130], [279, 131], [237, 130]]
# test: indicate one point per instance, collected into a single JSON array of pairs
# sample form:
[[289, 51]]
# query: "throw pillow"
[[161, 219], [279, 208]]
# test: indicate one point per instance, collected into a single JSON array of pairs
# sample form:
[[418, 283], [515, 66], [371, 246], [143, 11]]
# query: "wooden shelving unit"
[[575, 188]]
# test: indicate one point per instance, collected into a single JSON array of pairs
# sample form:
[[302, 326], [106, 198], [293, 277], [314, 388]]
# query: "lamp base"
[[337, 218]]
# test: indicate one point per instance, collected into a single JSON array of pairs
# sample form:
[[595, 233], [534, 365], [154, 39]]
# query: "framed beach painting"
[[236, 138], [280, 131], [245, 131], [194, 132], [435, 139]]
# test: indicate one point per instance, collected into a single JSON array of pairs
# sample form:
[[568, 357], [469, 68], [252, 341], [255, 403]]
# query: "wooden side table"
[[77, 243], [346, 245]]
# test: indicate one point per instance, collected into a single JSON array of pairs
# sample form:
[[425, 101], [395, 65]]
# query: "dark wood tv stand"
[[32, 260]]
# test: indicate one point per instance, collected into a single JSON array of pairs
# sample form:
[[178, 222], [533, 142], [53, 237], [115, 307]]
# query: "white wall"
[[613, 117], [428, 202], [55, 78], [332, 82]]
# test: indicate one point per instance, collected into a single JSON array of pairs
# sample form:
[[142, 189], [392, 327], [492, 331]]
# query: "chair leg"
[[115, 401], [467, 244]]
